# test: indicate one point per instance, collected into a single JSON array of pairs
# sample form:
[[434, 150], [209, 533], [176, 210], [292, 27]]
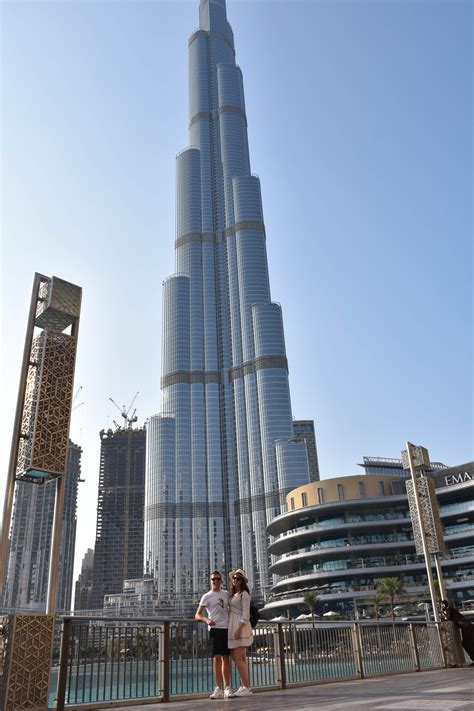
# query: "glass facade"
[[304, 430], [341, 548], [225, 393]]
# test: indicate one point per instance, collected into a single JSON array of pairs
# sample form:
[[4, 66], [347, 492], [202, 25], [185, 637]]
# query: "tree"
[[375, 601], [391, 588], [310, 599]]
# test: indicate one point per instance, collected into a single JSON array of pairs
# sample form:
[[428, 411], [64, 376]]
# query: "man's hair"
[[214, 572]]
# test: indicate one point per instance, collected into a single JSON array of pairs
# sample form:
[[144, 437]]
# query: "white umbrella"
[[302, 617], [279, 619], [331, 613]]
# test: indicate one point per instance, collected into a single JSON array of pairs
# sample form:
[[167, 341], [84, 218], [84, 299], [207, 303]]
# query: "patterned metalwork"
[[431, 520], [45, 424], [4, 632], [419, 456], [27, 660], [59, 304]]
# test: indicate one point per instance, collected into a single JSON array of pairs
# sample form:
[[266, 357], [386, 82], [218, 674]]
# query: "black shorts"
[[219, 642]]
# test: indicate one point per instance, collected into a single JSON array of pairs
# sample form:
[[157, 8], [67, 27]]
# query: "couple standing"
[[228, 621]]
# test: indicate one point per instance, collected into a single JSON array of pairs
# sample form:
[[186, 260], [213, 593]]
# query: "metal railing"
[[103, 660]]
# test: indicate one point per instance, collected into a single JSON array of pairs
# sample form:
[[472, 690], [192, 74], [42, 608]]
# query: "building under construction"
[[118, 551]]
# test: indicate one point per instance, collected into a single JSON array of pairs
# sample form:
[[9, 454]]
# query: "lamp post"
[[427, 529], [41, 426], [39, 455]]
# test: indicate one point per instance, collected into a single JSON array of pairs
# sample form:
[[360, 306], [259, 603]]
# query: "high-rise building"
[[219, 458], [84, 582], [26, 583], [304, 430], [386, 465], [340, 536], [118, 552]]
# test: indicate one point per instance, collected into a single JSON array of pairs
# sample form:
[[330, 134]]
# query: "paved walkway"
[[440, 690]]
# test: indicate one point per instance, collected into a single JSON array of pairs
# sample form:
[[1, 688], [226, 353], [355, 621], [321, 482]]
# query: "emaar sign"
[[457, 478]]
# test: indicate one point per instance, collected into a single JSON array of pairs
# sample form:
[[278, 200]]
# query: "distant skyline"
[[360, 126]]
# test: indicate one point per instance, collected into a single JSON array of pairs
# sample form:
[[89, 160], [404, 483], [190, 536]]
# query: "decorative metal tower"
[[39, 455]]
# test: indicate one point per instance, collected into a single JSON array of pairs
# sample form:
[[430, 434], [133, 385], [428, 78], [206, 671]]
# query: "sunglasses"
[[215, 579], [237, 577]]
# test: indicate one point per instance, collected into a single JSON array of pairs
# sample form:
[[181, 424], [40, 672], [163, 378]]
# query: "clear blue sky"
[[360, 127]]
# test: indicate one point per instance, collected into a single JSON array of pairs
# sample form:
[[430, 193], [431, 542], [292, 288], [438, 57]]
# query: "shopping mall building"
[[340, 536]]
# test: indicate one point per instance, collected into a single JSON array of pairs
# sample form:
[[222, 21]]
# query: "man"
[[216, 604]]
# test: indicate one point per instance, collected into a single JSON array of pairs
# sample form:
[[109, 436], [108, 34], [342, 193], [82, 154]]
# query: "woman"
[[240, 635]]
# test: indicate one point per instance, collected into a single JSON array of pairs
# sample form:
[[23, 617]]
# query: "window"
[[304, 499], [321, 496], [361, 489], [292, 504], [340, 492], [382, 488]]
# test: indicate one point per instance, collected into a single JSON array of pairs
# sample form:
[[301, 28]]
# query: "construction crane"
[[124, 411], [79, 404]]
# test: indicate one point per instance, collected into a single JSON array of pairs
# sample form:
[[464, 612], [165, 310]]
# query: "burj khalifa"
[[221, 456]]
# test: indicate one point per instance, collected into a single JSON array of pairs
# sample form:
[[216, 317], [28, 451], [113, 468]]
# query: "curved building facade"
[[224, 367], [339, 536]]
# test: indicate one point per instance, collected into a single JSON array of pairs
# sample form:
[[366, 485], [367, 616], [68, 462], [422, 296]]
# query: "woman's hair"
[[243, 587]]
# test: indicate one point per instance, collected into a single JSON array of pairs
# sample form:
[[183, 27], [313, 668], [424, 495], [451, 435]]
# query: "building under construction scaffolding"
[[118, 552]]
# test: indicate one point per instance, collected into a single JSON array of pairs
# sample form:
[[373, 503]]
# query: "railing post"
[[440, 630], [165, 660], [357, 649], [414, 647], [63, 662], [279, 645]]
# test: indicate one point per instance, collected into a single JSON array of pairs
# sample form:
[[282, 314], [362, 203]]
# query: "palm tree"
[[391, 588], [375, 601], [310, 599]]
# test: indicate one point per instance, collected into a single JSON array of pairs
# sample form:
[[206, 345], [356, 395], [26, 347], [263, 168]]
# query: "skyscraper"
[[219, 462], [84, 582], [118, 552], [30, 540], [304, 430]]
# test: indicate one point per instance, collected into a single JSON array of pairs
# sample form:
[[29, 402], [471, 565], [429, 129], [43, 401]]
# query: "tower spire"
[[213, 15]]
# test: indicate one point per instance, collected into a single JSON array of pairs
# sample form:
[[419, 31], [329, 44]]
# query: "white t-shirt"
[[217, 605]]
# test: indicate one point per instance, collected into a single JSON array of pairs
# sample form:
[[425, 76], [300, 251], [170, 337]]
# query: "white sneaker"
[[217, 693], [228, 693], [243, 691]]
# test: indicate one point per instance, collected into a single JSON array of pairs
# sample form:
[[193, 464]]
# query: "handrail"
[[102, 661]]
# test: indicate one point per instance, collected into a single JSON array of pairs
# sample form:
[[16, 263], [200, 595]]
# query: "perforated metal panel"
[[431, 521], [27, 657], [59, 305], [47, 409]]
